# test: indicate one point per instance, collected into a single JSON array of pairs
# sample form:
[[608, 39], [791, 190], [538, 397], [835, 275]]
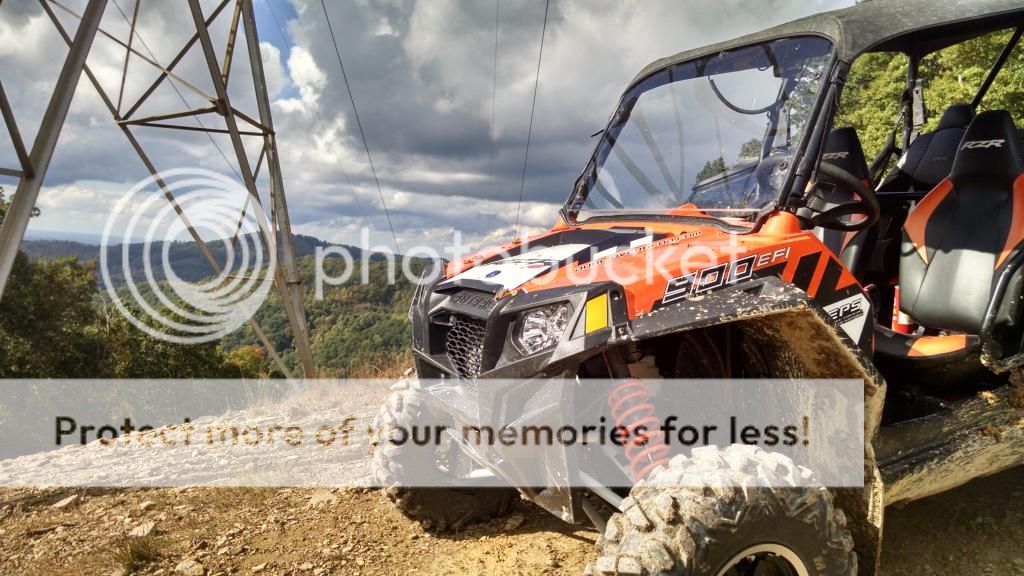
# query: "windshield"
[[709, 137]]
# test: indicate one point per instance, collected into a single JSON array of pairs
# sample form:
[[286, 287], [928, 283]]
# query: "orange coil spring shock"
[[631, 407]]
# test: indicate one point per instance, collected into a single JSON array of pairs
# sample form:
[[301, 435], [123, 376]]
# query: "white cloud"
[[421, 73], [272, 68], [307, 76], [87, 203], [384, 29]]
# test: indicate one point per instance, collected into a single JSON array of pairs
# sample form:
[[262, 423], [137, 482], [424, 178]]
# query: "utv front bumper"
[[468, 332], [476, 371]]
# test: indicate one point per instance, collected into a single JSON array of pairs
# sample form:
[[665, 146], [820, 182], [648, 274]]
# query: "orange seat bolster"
[[936, 345], [917, 220], [1016, 234]]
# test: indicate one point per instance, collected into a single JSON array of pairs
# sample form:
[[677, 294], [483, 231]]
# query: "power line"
[[533, 108], [355, 113], [494, 97]]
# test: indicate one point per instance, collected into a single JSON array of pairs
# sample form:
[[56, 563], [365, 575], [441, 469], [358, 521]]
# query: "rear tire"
[[665, 528], [438, 507]]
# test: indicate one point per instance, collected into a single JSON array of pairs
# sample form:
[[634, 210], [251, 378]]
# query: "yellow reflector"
[[597, 313]]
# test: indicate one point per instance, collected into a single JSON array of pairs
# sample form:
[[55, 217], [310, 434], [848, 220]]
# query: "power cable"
[[494, 98], [319, 118], [533, 108], [362, 134]]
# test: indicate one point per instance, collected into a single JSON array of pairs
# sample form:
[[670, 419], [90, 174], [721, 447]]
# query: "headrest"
[[990, 148], [956, 116], [843, 150]]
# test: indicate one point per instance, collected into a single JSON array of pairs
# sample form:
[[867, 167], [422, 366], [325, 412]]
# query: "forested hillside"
[[56, 322], [187, 262], [358, 329], [53, 324]]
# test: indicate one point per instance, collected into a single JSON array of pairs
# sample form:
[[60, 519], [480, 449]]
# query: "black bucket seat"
[[957, 242]]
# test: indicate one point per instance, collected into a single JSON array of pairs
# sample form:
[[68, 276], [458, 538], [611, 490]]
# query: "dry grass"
[[133, 554], [392, 366]]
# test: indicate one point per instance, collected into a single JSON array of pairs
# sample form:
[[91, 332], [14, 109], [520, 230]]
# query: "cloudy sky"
[[422, 74]]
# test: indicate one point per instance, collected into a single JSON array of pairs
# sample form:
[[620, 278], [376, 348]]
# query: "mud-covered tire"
[[438, 507], [668, 529]]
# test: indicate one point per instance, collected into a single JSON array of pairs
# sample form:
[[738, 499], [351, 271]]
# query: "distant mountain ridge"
[[187, 262], [83, 237]]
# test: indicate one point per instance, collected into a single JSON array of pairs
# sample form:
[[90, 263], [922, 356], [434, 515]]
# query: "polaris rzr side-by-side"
[[781, 254]]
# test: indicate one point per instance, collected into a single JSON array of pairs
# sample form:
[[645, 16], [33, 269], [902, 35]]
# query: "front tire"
[[437, 507], [782, 527]]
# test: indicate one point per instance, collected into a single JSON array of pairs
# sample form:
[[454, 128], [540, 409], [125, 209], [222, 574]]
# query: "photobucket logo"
[[203, 300], [646, 261]]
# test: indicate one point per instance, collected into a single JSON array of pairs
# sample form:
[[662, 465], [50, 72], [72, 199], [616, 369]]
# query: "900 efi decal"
[[818, 273], [725, 274]]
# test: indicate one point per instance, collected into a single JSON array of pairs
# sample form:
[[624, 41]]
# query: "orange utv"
[[725, 227]]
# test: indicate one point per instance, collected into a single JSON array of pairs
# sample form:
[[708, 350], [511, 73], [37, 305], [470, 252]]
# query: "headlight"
[[542, 328]]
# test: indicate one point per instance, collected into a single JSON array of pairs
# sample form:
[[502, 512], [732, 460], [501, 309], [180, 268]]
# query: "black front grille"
[[464, 345]]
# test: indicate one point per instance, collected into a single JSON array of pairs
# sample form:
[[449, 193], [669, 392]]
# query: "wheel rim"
[[765, 560]]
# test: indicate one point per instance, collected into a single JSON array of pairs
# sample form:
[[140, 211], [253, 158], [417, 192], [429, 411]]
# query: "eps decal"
[[850, 314]]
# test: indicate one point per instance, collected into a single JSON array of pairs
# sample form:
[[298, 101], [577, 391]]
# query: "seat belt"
[[889, 149]]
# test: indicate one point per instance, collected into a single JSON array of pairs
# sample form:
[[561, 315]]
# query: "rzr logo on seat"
[[835, 156], [981, 144]]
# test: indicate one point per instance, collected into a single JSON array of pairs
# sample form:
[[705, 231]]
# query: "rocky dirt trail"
[[976, 529]]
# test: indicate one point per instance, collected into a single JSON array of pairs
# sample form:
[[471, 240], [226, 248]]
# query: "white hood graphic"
[[515, 271]]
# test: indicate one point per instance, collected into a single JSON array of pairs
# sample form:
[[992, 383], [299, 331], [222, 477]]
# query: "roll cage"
[[913, 112], [916, 28]]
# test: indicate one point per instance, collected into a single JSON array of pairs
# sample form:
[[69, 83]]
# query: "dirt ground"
[[976, 529]]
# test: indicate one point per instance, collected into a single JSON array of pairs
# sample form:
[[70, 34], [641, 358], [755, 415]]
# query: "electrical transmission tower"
[[219, 115]]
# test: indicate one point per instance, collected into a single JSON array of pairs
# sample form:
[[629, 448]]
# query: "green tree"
[[954, 74], [53, 324], [751, 149], [358, 329], [47, 324], [125, 351], [711, 169], [251, 361], [871, 98]]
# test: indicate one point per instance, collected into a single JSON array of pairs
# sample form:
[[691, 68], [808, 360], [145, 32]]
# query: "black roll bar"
[[997, 66]]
